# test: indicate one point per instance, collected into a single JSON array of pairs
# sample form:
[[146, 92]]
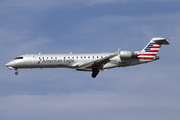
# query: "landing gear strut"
[[95, 72], [16, 73]]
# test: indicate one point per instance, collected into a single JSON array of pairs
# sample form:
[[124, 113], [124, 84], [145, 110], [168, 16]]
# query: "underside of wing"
[[97, 63]]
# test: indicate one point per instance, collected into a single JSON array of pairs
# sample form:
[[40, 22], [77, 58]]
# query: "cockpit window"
[[19, 58]]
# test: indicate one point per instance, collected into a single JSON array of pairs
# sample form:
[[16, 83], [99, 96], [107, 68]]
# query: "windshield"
[[18, 58]]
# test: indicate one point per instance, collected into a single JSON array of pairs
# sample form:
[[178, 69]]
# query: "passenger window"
[[51, 57]]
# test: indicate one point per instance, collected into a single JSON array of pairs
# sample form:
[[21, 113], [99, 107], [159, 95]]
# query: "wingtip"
[[118, 51]]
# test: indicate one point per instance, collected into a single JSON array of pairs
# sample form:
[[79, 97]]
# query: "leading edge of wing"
[[98, 62]]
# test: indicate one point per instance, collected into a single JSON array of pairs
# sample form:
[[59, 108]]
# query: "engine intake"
[[127, 54]]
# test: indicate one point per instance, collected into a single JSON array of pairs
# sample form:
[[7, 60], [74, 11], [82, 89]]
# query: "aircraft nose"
[[7, 65], [10, 64]]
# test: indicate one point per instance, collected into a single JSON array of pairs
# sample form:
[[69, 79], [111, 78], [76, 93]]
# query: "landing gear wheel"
[[16, 73], [94, 75], [95, 72]]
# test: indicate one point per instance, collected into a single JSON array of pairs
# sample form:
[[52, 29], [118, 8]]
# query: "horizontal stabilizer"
[[164, 41]]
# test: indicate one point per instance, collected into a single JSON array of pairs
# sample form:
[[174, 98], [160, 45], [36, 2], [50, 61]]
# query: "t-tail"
[[152, 48]]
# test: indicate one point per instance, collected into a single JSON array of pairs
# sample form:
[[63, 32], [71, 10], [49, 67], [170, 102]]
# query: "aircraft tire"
[[95, 72], [16, 73], [94, 75]]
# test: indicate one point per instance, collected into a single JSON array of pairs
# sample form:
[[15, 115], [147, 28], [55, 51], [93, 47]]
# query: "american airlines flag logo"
[[153, 47], [39, 61], [150, 51]]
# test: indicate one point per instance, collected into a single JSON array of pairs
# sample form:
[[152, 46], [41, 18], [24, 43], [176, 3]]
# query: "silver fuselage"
[[95, 62], [69, 61]]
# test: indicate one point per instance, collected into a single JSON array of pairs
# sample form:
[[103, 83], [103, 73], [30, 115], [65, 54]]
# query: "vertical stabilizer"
[[152, 48]]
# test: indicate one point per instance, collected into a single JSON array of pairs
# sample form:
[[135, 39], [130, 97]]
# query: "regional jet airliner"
[[94, 62]]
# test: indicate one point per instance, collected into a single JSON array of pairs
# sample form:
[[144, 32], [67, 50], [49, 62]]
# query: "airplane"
[[94, 62]]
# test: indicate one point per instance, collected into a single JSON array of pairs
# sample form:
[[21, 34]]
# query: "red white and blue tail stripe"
[[152, 48]]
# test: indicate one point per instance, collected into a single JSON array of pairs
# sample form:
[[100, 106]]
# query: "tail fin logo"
[[150, 51], [153, 47]]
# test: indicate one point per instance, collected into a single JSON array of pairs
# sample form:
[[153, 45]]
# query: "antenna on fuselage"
[[70, 53], [39, 53]]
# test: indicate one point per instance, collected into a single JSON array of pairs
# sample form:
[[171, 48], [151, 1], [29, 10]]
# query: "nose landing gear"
[[16, 73]]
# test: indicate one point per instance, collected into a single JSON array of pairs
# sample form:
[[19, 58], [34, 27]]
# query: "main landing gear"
[[16, 73], [95, 72]]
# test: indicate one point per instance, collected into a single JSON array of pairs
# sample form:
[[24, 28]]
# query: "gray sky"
[[148, 91]]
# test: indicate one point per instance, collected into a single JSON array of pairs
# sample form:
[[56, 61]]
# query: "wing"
[[98, 63]]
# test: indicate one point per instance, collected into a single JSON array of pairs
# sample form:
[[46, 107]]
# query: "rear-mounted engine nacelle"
[[127, 54]]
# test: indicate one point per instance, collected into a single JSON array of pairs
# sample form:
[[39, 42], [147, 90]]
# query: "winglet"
[[117, 52]]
